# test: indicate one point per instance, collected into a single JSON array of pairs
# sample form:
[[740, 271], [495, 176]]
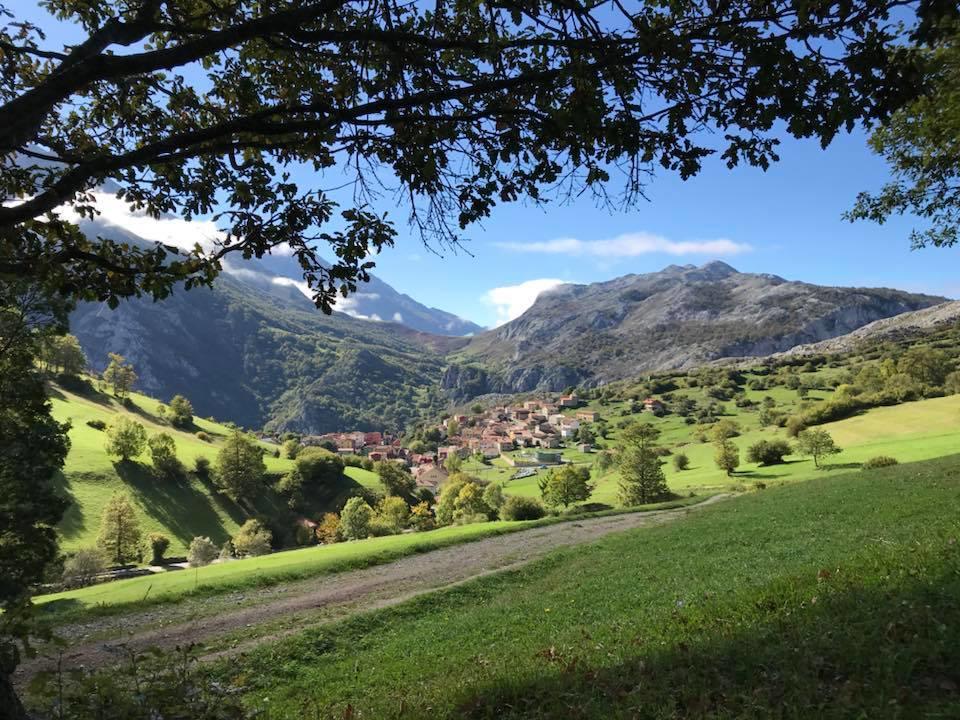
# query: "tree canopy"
[[921, 144], [195, 109]]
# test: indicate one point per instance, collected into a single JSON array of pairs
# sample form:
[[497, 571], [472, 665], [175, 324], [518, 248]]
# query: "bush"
[[252, 539], [355, 519], [201, 435], [878, 462], [768, 452], [795, 425], [97, 424], [380, 527], [681, 461], [81, 568], [353, 460], [522, 508], [328, 531], [201, 466], [158, 547], [202, 552]]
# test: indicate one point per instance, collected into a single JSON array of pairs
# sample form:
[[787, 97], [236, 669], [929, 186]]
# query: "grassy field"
[[920, 430], [271, 569], [834, 598], [181, 510]]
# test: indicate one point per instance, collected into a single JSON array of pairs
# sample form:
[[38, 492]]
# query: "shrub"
[[380, 527], [201, 466], [681, 461], [205, 437], [227, 552], [355, 518], [303, 535], [795, 425], [158, 547], [81, 568], [328, 531], [353, 460], [202, 552], [252, 539], [522, 508], [760, 485], [768, 452], [97, 424], [181, 412], [878, 462], [421, 518]]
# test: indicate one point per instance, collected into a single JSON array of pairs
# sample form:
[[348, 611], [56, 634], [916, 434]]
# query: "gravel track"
[[331, 597]]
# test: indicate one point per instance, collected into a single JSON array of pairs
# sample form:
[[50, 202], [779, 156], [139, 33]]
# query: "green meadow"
[[832, 598], [919, 430], [181, 510], [265, 570]]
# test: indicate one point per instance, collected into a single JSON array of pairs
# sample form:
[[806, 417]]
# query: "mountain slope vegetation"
[[245, 354], [183, 508]]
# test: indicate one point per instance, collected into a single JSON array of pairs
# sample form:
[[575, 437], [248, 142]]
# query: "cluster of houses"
[[538, 425]]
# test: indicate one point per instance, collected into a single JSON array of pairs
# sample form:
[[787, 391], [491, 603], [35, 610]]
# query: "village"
[[526, 436]]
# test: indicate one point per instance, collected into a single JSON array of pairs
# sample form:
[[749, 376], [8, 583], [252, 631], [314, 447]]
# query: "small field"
[[833, 598]]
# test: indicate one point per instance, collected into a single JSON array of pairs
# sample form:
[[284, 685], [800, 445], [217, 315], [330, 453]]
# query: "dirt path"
[[331, 597]]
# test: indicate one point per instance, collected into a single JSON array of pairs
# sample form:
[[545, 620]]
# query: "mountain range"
[[254, 350], [680, 317]]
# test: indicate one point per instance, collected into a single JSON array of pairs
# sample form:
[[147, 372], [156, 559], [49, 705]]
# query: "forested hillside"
[[248, 355]]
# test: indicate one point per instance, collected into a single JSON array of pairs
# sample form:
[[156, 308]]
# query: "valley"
[[479, 361]]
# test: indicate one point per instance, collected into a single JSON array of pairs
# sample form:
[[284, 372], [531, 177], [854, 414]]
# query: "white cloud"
[[511, 301], [397, 317], [168, 230], [290, 282], [349, 305], [629, 245]]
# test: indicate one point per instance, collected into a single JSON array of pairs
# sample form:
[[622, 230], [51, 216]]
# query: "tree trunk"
[[10, 705]]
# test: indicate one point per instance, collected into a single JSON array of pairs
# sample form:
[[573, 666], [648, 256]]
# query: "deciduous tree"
[[566, 485], [120, 535], [33, 447], [163, 455], [120, 375], [240, 466], [726, 456], [817, 444], [126, 438], [355, 519], [395, 478], [919, 143], [180, 412]]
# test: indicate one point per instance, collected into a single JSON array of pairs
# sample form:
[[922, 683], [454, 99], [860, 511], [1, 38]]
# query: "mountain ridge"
[[675, 318]]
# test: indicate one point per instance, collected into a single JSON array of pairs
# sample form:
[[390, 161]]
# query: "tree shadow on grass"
[[178, 504], [73, 522], [887, 652]]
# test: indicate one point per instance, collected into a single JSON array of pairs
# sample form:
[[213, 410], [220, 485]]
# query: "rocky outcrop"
[[680, 317]]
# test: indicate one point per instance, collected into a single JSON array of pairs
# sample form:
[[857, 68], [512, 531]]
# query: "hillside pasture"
[[833, 598], [180, 509]]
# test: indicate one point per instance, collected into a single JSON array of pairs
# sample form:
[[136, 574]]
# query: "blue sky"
[[785, 221]]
